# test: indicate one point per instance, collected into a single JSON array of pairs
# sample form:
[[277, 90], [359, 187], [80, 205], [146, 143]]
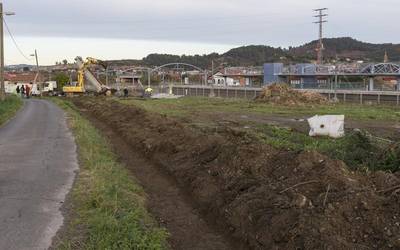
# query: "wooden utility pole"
[[2, 90], [2, 87], [37, 78]]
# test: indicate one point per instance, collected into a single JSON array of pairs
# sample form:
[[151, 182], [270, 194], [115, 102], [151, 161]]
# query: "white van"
[[50, 88]]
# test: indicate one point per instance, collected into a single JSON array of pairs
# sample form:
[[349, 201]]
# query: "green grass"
[[9, 107], [355, 149], [192, 105], [108, 209]]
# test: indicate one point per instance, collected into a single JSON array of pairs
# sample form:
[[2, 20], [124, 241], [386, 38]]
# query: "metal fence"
[[344, 96]]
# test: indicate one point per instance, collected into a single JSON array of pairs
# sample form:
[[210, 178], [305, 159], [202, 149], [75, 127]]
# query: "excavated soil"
[[268, 199], [284, 95]]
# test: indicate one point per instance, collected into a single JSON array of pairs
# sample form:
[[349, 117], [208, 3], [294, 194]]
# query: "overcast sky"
[[118, 29]]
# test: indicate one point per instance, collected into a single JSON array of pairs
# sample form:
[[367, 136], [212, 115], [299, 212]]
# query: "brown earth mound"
[[269, 199], [284, 95]]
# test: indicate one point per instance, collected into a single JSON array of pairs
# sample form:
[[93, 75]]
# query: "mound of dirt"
[[284, 95], [269, 199]]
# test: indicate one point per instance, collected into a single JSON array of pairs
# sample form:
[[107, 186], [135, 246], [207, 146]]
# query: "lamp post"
[[2, 87]]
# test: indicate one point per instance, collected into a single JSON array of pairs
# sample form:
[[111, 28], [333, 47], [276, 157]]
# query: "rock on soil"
[[284, 95], [269, 199]]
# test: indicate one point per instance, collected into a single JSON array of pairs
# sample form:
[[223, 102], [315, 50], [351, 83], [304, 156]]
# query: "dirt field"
[[381, 121], [260, 196]]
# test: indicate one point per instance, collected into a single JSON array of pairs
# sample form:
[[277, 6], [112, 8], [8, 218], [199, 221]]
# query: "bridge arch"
[[177, 64], [151, 71], [382, 68]]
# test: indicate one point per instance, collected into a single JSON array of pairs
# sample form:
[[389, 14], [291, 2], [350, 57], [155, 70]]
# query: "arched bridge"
[[151, 71]]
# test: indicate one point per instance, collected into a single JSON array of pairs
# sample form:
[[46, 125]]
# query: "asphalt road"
[[37, 168]]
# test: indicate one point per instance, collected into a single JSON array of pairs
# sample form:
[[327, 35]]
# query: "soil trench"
[[267, 198], [171, 206]]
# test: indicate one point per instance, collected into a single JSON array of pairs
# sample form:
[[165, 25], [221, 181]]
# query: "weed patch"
[[9, 107], [108, 207]]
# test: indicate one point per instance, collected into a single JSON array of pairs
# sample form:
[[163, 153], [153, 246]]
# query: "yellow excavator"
[[87, 82]]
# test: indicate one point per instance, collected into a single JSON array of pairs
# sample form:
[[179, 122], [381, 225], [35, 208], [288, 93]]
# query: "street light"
[[2, 87]]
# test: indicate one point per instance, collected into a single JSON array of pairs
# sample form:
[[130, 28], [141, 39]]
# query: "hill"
[[256, 55], [347, 47]]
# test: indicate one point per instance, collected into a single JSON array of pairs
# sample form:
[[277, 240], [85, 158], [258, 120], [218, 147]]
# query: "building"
[[12, 80], [27, 77], [239, 76], [129, 80]]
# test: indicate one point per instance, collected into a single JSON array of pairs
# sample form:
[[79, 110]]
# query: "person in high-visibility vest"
[[148, 91]]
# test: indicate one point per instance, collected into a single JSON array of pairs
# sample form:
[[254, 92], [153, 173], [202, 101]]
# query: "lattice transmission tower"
[[320, 46]]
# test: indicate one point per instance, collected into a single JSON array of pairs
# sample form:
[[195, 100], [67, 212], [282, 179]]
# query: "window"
[[296, 82]]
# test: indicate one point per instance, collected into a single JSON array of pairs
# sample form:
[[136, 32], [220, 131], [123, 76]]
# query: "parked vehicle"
[[35, 91], [50, 88]]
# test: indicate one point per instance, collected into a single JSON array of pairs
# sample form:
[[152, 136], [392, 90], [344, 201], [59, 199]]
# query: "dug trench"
[[224, 189]]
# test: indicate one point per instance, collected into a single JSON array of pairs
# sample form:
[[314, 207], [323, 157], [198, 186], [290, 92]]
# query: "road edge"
[[75, 230]]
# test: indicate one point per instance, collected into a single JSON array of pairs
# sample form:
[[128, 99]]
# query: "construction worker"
[[27, 91], [126, 92], [148, 92], [22, 91]]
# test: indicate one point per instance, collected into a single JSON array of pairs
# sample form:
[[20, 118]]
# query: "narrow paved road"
[[37, 168]]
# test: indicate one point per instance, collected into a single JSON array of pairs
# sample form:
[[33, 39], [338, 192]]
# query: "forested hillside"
[[255, 55]]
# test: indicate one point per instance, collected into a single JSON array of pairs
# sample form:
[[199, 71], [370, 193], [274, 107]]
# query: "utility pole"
[[3, 90], [107, 75], [320, 47], [212, 70], [149, 78], [37, 69], [2, 87]]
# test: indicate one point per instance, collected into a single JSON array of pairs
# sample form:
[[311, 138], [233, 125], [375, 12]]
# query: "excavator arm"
[[87, 82]]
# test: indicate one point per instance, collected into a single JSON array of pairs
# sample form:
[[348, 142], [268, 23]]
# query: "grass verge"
[[9, 107], [107, 206], [193, 105]]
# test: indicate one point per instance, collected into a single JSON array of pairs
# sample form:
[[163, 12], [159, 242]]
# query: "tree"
[[62, 79], [65, 61]]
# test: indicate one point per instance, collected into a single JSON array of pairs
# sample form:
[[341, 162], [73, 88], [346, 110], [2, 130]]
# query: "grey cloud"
[[284, 22]]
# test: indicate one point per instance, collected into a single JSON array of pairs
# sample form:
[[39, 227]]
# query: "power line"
[[14, 41]]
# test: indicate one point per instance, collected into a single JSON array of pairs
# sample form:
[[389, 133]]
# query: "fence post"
[[227, 93], [203, 91], [196, 91], [344, 98], [379, 98], [361, 98], [255, 94], [398, 100], [235, 93]]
